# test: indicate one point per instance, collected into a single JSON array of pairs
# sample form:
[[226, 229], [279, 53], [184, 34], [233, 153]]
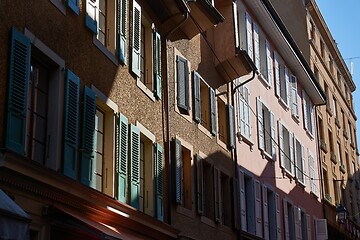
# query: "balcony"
[[337, 122], [342, 168], [333, 157], [323, 145], [345, 133]]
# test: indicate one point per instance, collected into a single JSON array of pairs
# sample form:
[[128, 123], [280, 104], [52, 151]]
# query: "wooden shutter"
[[286, 220], [311, 117], [121, 29], [265, 213], [243, 219], [231, 128], [236, 202], [304, 110], [217, 195], [269, 63], [213, 111], [182, 73], [18, 78], [297, 218], [281, 144], [197, 97], [136, 39], [71, 110], [303, 164], [134, 166], [88, 138], [157, 63], [321, 232], [122, 138], [258, 214], [74, 5], [308, 228], [260, 118], [91, 17], [256, 46], [291, 144], [287, 85], [242, 103], [159, 182], [178, 171], [273, 132], [294, 99], [277, 74], [200, 184], [278, 217], [247, 112], [249, 37]]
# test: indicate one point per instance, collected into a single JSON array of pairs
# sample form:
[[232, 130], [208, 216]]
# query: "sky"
[[343, 19]]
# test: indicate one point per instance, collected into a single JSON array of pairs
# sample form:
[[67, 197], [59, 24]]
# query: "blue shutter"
[[178, 171], [197, 98], [19, 66], [159, 183], [74, 5], [231, 128], [91, 15], [212, 111], [136, 39], [134, 166], [88, 138], [122, 156], [157, 62], [121, 31], [71, 109], [182, 79]]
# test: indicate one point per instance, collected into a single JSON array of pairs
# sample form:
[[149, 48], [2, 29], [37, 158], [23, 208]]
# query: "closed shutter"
[[260, 118], [18, 78], [236, 202], [269, 63], [321, 232], [197, 98], [281, 145], [217, 195], [121, 29], [136, 39], [265, 213], [308, 224], [258, 214], [242, 201], [213, 111], [122, 138], [231, 122], [273, 132], [134, 166], [249, 37], [88, 138], [286, 220], [91, 17], [287, 85], [182, 73], [291, 144], [277, 74], [294, 99], [304, 110], [256, 46], [74, 5], [200, 184], [159, 183], [157, 62], [71, 110], [278, 217], [178, 171]]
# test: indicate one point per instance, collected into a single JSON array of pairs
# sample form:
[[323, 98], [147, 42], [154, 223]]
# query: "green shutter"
[[121, 29], [213, 111], [134, 166], [136, 39], [182, 73], [157, 62], [159, 183], [200, 184], [71, 116], [74, 5], [18, 76], [88, 137], [178, 171], [122, 156], [231, 128], [91, 15], [197, 99]]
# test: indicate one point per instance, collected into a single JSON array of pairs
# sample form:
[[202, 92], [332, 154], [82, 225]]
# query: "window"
[[223, 131], [351, 133], [331, 65], [308, 114], [244, 112], [312, 170], [266, 130], [225, 194], [321, 129], [322, 49], [182, 82], [302, 225], [336, 191], [281, 80], [299, 154], [331, 142], [312, 30], [208, 190], [289, 220], [316, 73], [271, 213], [286, 149], [99, 149], [249, 35], [339, 154], [326, 185]]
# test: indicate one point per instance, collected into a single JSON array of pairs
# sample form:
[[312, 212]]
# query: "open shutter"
[[242, 201], [159, 183], [277, 74], [269, 63], [294, 99], [247, 112], [256, 46], [321, 232], [200, 184], [258, 215], [291, 144], [231, 122], [286, 220], [303, 164], [260, 118], [91, 17], [217, 194], [287, 85], [273, 141], [88, 138], [297, 218], [18, 78], [278, 217], [281, 145], [265, 213], [304, 111], [241, 110], [182, 73], [157, 62], [308, 228], [213, 111], [178, 171], [74, 5], [122, 136], [197, 99], [311, 118], [249, 37], [121, 31], [134, 166], [71, 110], [236, 198], [136, 39]]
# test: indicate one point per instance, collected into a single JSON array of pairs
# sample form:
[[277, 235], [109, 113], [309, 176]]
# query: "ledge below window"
[[105, 51]]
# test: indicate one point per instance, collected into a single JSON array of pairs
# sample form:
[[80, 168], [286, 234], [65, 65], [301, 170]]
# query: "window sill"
[[105, 51], [245, 139], [221, 143], [287, 173], [264, 80], [185, 211], [310, 135], [208, 221], [186, 115], [59, 5], [145, 89], [314, 195], [266, 155], [283, 104], [204, 130], [226, 229], [296, 118], [300, 183]]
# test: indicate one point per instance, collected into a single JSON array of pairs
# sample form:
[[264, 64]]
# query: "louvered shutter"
[[249, 37], [157, 63], [74, 5], [269, 63], [294, 99], [242, 103], [304, 111], [231, 122], [134, 166], [200, 184], [311, 117], [71, 110], [159, 183], [197, 98], [303, 164], [247, 112], [308, 228], [258, 215], [265, 213], [273, 132], [88, 138], [217, 195], [91, 17], [122, 136], [213, 111], [256, 46], [281, 144], [182, 73], [298, 172], [297, 218], [277, 74], [18, 78], [286, 220], [243, 219], [136, 39], [321, 232], [291, 144], [287, 85], [260, 118], [236, 204], [178, 171], [278, 217], [121, 29]]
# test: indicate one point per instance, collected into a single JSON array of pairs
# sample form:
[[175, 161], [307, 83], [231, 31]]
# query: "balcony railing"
[[333, 157]]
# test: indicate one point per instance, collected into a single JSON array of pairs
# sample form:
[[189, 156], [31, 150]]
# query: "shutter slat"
[[260, 124], [287, 85], [122, 136], [178, 171], [159, 183], [213, 111], [136, 38], [256, 46], [134, 151], [197, 98], [269, 63], [281, 145], [157, 67], [182, 78], [74, 5], [305, 111], [121, 29]]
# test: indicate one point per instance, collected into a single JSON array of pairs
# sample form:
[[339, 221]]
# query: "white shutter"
[[294, 100], [260, 124], [249, 36], [297, 218], [241, 110], [277, 74], [273, 130], [321, 232], [242, 201], [269, 63], [247, 112], [281, 144], [291, 145], [278, 217], [304, 110], [265, 213], [303, 164], [297, 168], [256, 46], [258, 218], [136, 39], [286, 220], [311, 117], [308, 224], [287, 85]]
